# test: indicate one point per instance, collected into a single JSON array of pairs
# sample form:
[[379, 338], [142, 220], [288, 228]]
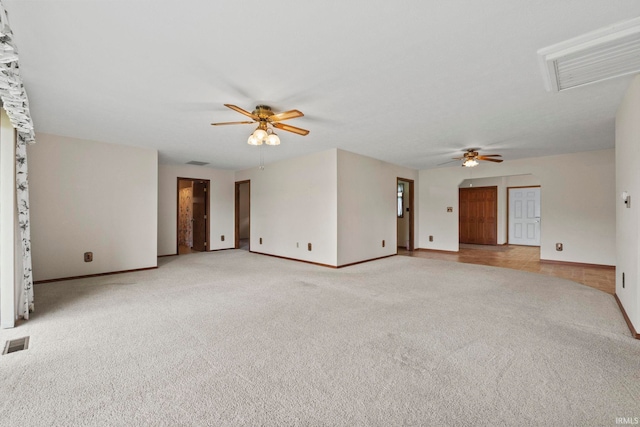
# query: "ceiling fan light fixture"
[[272, 139], [260, 134], [469, 163], [253, 140]]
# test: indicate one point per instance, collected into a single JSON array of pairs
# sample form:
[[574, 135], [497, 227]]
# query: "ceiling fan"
[[471, 157], [266, 119]]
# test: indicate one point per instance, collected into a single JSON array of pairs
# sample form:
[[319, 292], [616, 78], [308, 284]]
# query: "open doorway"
[[243, 215], [405, 239], [193, 209]]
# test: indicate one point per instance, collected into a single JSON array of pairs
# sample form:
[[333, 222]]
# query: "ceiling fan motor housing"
[[263, 111]]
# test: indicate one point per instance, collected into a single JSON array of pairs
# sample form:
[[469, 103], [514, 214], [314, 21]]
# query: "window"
[[400, 200]]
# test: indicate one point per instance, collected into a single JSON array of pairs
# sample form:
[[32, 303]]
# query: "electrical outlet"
[[261, 240], [559, 247], [431, 238], [449, 209], [222, 237], [309, 246], [88, 256]]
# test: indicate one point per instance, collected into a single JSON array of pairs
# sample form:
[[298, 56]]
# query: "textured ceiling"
[[411, 82]]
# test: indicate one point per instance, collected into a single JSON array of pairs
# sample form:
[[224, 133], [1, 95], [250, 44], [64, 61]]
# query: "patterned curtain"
[[22, 192], [16, 104]]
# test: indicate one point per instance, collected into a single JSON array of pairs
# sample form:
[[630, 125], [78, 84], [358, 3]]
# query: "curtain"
[[16, 104], [25, 305]]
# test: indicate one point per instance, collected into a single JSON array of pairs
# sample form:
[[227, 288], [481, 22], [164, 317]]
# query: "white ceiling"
[[411, 82]]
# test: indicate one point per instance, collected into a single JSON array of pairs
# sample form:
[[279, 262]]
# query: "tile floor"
[[526, 258]]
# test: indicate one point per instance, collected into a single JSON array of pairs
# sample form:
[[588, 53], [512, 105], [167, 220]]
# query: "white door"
[[524, 216]]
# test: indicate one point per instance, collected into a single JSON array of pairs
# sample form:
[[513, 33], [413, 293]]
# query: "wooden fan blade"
[[241, 111], [293, 129], [489, 160], [291, 114], [231, 123], [491, 155]]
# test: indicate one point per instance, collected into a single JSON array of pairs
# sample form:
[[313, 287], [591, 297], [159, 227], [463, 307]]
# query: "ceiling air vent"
[[197, 163], [600, 55]]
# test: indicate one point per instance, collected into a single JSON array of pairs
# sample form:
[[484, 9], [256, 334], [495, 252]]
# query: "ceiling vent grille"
[[604, 54]]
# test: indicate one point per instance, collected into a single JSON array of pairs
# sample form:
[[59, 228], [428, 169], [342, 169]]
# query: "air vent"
[[16, 345], [601, 55], [197, 163]]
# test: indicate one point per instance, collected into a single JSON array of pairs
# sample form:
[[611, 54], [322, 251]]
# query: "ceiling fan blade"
[[491, 155], [458, 158], [286, 115], [231, 123], [241, 111], [289, 128], [489, 160], [446, 163]]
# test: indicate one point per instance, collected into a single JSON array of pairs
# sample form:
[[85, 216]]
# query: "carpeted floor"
[[235, 338]]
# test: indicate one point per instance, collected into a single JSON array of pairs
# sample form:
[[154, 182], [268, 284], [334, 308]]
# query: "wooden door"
[[200, 215], [478, 222]]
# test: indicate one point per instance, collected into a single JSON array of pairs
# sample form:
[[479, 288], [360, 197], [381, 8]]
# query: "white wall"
[[577, 204], [89, 196], [10, 252], [222, 206], [628, 179], [293, 202], [503, 183], [367, 206]]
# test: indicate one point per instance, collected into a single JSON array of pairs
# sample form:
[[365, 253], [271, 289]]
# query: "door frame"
[[207, 207], [411, 209], [509, 204], [237, 212]]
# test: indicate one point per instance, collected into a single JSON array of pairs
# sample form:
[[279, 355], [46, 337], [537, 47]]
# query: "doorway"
[[478, 215], [193, 212], [404, 223], [243, 215], [524, 216]]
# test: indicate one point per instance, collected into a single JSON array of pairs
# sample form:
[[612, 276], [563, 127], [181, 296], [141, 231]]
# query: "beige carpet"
[[234, 338]]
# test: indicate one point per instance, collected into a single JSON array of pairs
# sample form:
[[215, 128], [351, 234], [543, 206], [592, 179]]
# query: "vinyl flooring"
[[525, 258]]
